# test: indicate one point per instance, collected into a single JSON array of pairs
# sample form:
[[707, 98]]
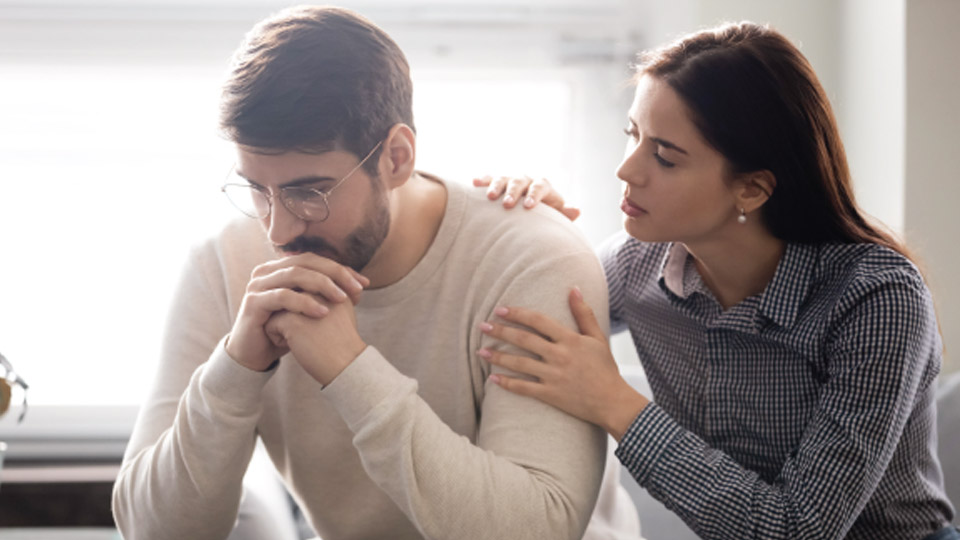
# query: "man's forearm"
[[187, 482]]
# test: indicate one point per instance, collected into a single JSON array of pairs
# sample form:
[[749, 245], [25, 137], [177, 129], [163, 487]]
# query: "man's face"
[[359, 209]]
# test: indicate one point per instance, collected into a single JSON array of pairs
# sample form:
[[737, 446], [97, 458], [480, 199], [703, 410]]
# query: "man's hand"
[[323, 346], [306, 285]]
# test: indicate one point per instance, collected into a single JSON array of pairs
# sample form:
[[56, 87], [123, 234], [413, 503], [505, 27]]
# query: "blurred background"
[[110, 162]]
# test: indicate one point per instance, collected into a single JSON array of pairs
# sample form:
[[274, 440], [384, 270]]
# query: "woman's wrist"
[[625, 407]]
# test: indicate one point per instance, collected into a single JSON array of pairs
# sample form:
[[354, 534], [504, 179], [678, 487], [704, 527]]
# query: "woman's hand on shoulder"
[[576, 371], [530, 191]]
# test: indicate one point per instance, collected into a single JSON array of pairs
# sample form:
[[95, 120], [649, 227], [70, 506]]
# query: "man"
[[343, 329]]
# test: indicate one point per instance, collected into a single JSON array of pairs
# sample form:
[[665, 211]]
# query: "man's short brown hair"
[[314, 79]]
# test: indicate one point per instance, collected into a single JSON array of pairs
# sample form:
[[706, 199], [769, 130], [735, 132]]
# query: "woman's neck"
[[739, 266]]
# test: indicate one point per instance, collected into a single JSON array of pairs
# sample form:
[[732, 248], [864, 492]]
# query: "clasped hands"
[[302, 304]]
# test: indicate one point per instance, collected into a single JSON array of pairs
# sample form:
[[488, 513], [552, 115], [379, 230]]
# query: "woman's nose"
[[632, 168]]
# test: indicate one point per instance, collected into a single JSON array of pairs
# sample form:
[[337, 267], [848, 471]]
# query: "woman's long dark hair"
[[755, 98]]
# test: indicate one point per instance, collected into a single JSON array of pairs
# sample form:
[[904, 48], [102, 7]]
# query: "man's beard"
[[360, 245]]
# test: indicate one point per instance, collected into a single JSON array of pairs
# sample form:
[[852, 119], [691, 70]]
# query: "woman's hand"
[[576, 373], [529, 190]]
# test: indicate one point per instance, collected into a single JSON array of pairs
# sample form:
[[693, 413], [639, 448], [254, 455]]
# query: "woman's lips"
[[631, 209]]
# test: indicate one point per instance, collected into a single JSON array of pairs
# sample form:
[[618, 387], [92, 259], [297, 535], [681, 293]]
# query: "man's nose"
[[282, 226]]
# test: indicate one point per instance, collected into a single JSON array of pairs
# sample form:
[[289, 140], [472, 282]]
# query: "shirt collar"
[[790, 285], [780, 302], [672, 269]]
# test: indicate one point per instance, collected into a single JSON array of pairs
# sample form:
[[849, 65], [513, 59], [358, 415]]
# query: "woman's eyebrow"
[[659, 140], [667, 144]]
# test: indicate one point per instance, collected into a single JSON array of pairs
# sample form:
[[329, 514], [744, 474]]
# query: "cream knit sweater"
[[409, 441]]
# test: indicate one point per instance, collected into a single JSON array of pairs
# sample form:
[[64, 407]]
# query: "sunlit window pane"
[[110, 174]]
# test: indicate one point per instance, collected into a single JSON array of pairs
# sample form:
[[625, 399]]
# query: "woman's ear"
[[755, 189], [399, 156]]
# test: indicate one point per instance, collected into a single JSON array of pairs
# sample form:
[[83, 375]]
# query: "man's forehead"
[[306, 148]]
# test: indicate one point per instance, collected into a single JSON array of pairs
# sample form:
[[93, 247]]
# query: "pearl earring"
[[742, 218]]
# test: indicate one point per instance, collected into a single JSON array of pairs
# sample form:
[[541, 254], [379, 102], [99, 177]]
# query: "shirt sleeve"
[[878, 350], [614, 268], [534, 471], [183, 468]]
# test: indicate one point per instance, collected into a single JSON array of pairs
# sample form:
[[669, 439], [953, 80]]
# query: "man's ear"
[[755, 189], [398, 156]]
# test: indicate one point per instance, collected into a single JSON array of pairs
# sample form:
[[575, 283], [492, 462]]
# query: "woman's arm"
[[879, 347]]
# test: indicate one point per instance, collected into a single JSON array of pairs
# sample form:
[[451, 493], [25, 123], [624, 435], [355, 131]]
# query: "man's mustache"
[[311, 244]]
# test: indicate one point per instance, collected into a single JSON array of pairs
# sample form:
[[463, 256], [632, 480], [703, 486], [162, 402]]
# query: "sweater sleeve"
[[534, 471], [879, 348], [183, 468]]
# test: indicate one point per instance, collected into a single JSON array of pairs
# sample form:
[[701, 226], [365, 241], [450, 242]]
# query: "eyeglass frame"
[[322, 194]]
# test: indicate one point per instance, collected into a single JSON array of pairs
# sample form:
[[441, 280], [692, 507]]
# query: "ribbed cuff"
[[641, 447], [235, 385]]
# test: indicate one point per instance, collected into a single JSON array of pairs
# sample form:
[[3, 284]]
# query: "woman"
[[792, 346]]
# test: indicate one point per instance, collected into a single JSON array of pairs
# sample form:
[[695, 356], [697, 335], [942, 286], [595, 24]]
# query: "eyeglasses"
[[9, 379], [307, 203]]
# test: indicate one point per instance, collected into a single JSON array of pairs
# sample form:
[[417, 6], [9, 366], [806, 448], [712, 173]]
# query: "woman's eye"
[[662, 161], [632, 133]]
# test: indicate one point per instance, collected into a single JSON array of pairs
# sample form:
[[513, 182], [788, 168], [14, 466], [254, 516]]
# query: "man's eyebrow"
[[307, 180], [667, 144], [304, 180]]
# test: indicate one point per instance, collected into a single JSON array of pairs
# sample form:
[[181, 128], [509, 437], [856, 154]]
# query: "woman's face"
[[677, 187]]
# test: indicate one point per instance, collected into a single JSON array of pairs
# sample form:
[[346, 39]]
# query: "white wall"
[[933, 155], [872, 104]]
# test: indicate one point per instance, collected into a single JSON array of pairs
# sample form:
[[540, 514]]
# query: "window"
[[111, 164]]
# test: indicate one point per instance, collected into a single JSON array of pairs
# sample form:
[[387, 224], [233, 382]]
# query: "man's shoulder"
[[538, 232]]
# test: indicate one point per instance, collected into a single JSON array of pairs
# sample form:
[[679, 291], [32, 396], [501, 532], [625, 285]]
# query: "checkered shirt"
[[806, 411]]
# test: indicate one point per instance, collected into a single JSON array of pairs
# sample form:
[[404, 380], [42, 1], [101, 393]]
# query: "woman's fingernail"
[[484, 353], [508, 199], [577, 293], [486, 327], [501, 311], [529, 202], [495, 378]]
